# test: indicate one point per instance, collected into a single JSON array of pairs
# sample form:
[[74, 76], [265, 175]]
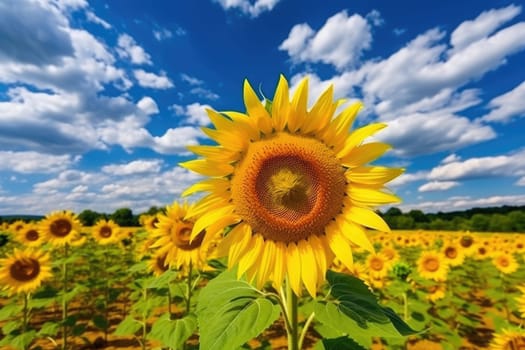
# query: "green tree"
[[517, 218], [418, 216], [89, 217], [124, 217], [480, 222], [500, 223]]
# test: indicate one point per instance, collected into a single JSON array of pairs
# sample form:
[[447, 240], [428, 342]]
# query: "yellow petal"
[[251, 255], [336, 134], [320, 257], [266, 263], [217, 153], [210, 218], [206, 204], [373, 175], [370, 197], [215, 185], [365, 217], [341, 247], [255, 109], [279, 265], [280, 105], [218, 120], [243, 236], [230, 139], [321, 113], [364, 154], [216, 228], [308, 267], [205, 167], [293, 267], [357, 136], [299, 103], [246, 124], [355, 233]]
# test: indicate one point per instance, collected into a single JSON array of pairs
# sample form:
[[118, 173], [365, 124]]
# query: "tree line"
[[492, 219]]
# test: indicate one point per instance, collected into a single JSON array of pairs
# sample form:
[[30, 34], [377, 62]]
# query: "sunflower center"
[[25, 269], [466, 241], [503, 262], [376, 264], [60, 227], [288, 187], [431, 264], [516, 343], [161, 262], [32, 235], [451, 252], [105, 232], [181, 237]]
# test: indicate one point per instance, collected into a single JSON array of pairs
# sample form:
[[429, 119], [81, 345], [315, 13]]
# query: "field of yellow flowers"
[[107, 286]]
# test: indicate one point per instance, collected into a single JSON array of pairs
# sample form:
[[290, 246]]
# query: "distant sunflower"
[[468, 244], [30, 236], [436, 292], [453, 253], [105, 232], [509, 339], [157, 264], [60, 227], [16, 226], [390, 253], [520, 300], [294, 184], [377, 265], [172, 239], [24, 270], [505, 262], [432, 265], [149, 222]]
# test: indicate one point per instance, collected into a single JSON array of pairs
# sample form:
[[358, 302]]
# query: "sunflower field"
[[282, 248]]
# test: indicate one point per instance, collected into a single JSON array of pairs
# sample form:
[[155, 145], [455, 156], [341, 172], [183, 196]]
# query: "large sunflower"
[[105, 232], [24, 270], [293, 183], [29, 235], [60, 227], [172, 239], [508, 339]]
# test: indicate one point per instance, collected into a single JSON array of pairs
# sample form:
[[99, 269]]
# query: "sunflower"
[[468, 244], [157, 264], [172, 239], [520, 301], [505, 262], [453, 253], [149, 222], [377, 265], [16, 226], [24, 270], [436, 292], [432, 265], [508, 339], [29, 235], [293, 183], [106, 232], [60, 227]]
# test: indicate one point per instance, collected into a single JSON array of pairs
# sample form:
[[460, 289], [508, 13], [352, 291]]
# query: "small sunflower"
[[30, 236], [294, 185], [149, 222], [157, 264], [105, 232], [436, 292], [24, 270], [520, 300], [453, 253], [60, 227], [172, 238], [16, 226], [377, 265], [390, 253], [508, 339], [505, 262], [432, 265], [468, 244]]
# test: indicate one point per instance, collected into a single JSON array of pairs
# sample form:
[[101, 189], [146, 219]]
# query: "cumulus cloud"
[[34, 162], [248, 7], [461, 203], [174, 141], [141, 166], [152, 80], [437, 186], [194, 113], [128, 48], [162, 34], [340, 42], [90, 15], [507, 106], [148, 105]]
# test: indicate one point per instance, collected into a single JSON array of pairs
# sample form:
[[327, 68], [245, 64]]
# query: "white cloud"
[[191, 80], [507, 106], [485, 24], [248, 7], [437, 186], [152, 80], [148, 105], [174, 141], [340, 41], [204, 93], [141, 166], [34, 162], [521, 181], [451, 158], [406, 178], [465, 202], [90, 15], [162, 34], [195, 113], [481, 167], [128, 48]]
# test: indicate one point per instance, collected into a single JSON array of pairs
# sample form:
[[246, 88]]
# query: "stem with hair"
[[292, 305]]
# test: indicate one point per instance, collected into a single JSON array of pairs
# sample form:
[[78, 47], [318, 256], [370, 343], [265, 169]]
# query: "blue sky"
[[98, 99]]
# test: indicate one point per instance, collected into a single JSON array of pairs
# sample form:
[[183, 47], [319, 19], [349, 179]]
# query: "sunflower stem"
[[25, 316], [305, 329], [405, 306], [64, 298], [188, 294], [293, 329], [106, 294]]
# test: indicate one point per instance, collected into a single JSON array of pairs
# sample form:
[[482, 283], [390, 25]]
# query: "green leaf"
[[231, 312], [22, 341], [49, 329], [70, 321], [341, 343], [163, 280], [10, 310], [12, 326], [173, 333], [100, 322], [78, 329], [128, 326]]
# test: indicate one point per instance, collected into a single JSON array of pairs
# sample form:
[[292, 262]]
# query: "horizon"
[[97, 107]]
